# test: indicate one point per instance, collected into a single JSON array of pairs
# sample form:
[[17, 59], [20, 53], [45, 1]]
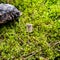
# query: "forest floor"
[[40, 44]]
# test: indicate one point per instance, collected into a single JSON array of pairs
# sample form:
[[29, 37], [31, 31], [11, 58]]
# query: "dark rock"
[[8, 13]]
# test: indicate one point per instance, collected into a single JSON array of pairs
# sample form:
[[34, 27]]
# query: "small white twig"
[[29, 27]]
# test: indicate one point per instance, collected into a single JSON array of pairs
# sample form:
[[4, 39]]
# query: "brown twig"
[[30, 54]]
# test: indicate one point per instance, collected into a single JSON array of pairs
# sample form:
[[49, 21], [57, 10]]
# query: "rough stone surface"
[[8, 13]]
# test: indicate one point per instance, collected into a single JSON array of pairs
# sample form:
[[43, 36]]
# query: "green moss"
[[17, 44]]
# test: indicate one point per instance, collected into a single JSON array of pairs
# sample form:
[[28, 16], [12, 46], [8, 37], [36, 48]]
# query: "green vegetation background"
[[17, 44]]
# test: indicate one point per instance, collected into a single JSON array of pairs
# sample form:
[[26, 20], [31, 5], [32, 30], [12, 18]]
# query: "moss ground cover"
[[17, 44]]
